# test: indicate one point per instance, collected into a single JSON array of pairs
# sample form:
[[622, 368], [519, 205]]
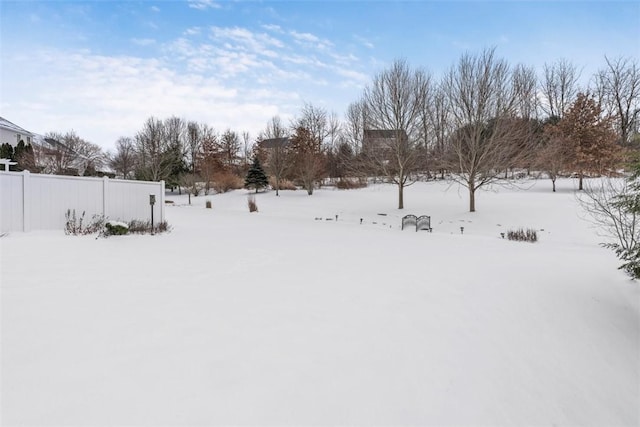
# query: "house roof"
[[382, 133], [274, 143], [6, 124]]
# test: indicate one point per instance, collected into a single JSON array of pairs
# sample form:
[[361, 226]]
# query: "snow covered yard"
[[279, 318]]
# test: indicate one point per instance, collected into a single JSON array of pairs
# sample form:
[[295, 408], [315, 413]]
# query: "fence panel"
[[39, 202], [11, 203]]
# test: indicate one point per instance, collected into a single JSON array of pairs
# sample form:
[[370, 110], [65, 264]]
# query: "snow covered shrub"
[[76, 226], [251, 202], [116, 228], [521, 235]]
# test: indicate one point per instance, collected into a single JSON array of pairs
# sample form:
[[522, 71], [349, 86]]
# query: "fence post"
[[105, 195], [26, 200], [161, 201]]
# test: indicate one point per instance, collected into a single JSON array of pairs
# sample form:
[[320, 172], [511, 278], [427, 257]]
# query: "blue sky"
[[103, 67]]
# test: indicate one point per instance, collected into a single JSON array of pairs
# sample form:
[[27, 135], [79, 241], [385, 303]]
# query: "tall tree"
[[482, 111], [124, 159], [559, 87], [152, 148], [619, 87], [209, 159], [590, 138], [194, 145], [395, 102], [276, 156], [229, 148], [308, 158]]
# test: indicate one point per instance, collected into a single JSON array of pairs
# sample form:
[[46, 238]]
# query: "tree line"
[[482, 121]]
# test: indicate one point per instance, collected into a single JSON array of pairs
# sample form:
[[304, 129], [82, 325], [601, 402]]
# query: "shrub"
[[116, 228], [226, 181], [285, 184], [349, 184], [76, 226], [521, 235], [144, 227], [251, 202]]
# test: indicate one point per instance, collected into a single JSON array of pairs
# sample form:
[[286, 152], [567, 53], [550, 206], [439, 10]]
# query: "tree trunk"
[[277, 185], [580, 182], [553, 181], [472, 198], [400, 196]]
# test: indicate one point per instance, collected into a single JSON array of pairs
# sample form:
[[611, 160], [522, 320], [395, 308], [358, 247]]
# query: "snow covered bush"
[[76, 226], [116, 228], [521, 235]]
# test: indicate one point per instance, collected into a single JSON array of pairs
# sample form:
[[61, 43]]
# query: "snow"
[[278, 318]]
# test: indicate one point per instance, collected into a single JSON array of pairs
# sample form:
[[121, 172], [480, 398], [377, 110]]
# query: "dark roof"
[[274, 143], [382, 133]]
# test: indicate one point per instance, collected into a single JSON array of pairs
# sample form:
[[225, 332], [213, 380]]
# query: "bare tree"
[[356, 122], [483, 104], [275, 157], [315, 120], [68, 154], [525, 87], [152, 149], [124, 160], [614, 208], [559, 87], [553, 155], [209, 157], [246, 151], [394, 103], [229, 148], [308, 158], [194, 145], [618, 87]]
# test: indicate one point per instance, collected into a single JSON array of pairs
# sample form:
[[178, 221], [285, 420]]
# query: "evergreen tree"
[[256, 178], [6, 151]]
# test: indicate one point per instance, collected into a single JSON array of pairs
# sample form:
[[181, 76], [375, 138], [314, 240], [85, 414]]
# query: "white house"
[[13, 134]]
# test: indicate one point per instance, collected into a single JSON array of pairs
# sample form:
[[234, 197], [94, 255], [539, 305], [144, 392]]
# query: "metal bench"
[[422, 222]]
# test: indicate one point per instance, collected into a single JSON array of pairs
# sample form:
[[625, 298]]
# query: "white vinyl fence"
[[39, 202]]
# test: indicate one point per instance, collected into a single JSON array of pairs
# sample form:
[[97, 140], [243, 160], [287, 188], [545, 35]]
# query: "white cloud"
[[203, 4], [274, 28], [193, 31], [234, 78], [364, 42], [154, 9]]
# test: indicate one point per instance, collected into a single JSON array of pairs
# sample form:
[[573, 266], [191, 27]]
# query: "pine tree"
[[256, 178]]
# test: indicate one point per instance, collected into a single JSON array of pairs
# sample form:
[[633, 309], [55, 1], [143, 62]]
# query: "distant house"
[[12, 134], [270, 144], [378, 142]]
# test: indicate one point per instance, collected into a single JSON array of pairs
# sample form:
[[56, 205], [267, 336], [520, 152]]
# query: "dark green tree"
[[6, 151], [256, 178]]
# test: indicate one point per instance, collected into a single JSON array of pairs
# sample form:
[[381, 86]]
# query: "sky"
[[101, 68]]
